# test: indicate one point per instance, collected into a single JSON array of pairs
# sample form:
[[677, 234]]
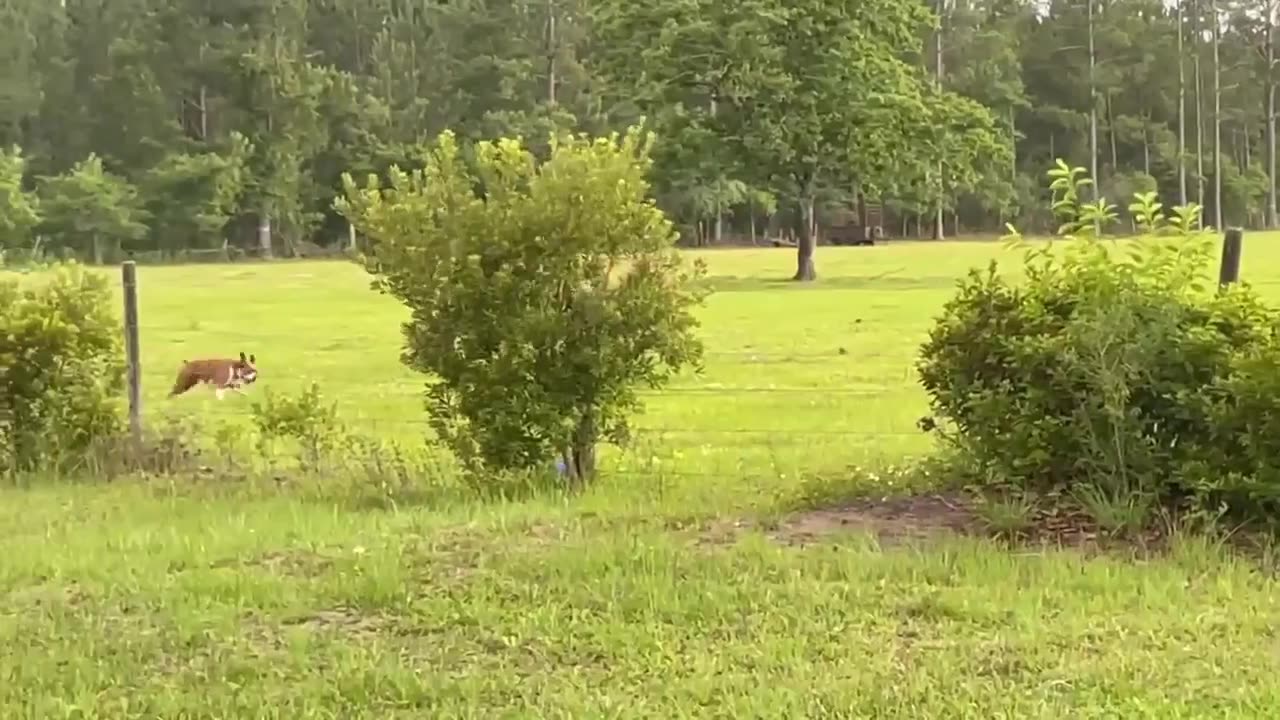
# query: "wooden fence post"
[[129, 275], [1232, 245]]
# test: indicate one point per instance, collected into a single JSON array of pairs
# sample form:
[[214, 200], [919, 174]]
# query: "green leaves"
[[92, 207], [19, 209], [542, 294], [797, 96], [60, 370], [1125, 373]]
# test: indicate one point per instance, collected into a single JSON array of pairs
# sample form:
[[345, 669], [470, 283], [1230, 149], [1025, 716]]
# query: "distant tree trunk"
[[1111, 128], [204, 113], [1182, 116], [1093, 118], [1217, 120], [96, 249], [1146, 146], [807, 243], [551, 52], [938, 231], [264, 233], [1013, 145], [751, 218], [1271, 219], [351, 236], [1199, 97]]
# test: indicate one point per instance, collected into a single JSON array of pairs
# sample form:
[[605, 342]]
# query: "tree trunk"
[[1182, 117], [351, 237], [1013, 144], [1217, 120], [204, 114], [807, 243], [264, 233], [1146, 146], [1111, 128], [1093, 119], [97, 250], [1199, 97], [580, 458], [938, 231], [1272, 221], [551, 52]]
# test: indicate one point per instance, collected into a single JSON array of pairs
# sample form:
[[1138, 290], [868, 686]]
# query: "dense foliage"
[[235, 119], [60, 369], [542, 294], [1113, 366]]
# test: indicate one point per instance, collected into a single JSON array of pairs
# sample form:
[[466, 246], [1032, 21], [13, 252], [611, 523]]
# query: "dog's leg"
[[218, 393]]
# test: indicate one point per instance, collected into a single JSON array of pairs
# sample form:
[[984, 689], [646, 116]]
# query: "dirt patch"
[[345, 620], [294, 562], [44, 595], [912, 518], [889, 519]]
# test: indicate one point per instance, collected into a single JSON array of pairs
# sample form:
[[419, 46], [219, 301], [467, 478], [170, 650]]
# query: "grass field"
[[670, 589]]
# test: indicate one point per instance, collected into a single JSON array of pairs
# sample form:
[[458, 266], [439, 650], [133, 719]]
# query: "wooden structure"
[[863, 226]]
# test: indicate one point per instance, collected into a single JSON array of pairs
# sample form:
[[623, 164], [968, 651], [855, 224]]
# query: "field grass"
[[667, 590]]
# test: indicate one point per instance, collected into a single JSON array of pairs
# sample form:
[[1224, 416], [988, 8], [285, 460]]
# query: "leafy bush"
[[305, 418], [542, 294], [1116, 366], [61, 369]]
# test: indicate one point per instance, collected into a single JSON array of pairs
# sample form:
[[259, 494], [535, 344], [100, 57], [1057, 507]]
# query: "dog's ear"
[[252, 359], [242, 356]]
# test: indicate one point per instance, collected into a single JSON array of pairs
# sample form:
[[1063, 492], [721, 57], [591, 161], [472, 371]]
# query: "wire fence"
[[704, 435]]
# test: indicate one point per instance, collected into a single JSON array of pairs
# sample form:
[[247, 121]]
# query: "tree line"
[[160, 125]]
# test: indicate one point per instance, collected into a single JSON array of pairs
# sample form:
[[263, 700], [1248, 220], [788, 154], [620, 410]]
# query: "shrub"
[[542, 294], [61, 369], [1113, 366], [306, 418]]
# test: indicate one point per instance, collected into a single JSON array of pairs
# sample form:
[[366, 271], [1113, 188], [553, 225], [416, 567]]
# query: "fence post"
[[1232, 246], [129, 275]]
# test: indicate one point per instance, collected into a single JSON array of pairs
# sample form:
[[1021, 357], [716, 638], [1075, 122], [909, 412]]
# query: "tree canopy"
[[233, 121]]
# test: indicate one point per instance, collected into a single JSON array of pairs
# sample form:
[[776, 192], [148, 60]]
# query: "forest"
[[187, 126]]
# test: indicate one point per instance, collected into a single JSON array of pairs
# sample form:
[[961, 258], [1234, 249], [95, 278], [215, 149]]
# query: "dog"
[[223, 374]]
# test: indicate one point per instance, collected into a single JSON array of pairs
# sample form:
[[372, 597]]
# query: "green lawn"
[[668, 590]]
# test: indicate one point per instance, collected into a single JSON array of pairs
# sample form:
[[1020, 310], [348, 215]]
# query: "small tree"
[[19, 210], [542, 294], [191, 197], [89, 206]]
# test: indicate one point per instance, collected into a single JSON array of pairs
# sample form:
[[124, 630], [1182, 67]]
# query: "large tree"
[[805, 93]]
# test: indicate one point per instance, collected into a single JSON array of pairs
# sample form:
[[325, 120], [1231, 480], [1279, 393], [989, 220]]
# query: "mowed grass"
[[197, 599]]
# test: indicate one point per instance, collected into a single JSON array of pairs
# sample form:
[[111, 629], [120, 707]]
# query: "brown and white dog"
[[221, 373]]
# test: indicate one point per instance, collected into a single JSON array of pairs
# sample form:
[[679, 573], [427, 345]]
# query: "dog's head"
[[246, 370]]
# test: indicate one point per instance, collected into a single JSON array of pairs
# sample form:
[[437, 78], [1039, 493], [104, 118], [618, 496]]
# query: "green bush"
[[543, 295], [61, 369], [1119, 367]]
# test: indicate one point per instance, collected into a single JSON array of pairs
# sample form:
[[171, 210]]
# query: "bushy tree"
[[19, 209], [543, 294], [191, 197], [800, 95], [1115, 368], [91, 208], [60, 369]]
